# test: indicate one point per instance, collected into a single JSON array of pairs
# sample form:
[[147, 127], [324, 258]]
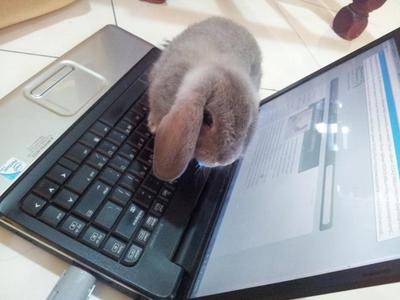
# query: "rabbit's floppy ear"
[[177, 135]]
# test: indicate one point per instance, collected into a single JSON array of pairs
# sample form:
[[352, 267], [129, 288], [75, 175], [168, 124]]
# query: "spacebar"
[[116, 111]]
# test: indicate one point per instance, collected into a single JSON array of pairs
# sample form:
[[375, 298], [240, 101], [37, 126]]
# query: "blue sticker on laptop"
[[12, 168]]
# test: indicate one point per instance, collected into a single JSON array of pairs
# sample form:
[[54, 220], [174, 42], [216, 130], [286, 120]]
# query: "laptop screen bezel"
[[368, 275]]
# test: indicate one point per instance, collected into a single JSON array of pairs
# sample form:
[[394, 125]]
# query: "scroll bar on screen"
[[391, 106], [329, 161]]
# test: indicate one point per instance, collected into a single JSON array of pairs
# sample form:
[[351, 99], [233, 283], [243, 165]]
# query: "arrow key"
[[46, 189], [59, 174], [66, 199], [32, 204]]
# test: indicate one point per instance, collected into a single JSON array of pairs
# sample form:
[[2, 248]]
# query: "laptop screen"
[[318, 189]]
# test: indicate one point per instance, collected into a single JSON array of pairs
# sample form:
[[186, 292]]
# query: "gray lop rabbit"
[[203, 97]]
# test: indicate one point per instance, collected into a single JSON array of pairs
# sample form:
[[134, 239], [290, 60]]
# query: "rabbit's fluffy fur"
[[203, 96]]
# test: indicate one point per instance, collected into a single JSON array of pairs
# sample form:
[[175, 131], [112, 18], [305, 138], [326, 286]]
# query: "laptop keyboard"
[[101, 191]]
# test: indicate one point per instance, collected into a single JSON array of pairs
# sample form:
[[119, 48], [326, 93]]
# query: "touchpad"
[[65, 88]]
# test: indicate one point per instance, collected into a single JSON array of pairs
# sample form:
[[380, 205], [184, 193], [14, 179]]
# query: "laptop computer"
[[312, 207]]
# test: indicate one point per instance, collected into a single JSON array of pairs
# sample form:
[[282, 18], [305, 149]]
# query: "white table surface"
[[295, 37]]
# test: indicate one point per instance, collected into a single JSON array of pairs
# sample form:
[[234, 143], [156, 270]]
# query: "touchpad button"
[[65, 88]]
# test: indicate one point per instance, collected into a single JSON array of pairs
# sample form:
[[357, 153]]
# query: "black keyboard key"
[[142, 108], [66, 199], [144, 100], [130, 182], [77, 153], [33, 204], [46, 189], [146, 157], [142, 237], [100, 129], [153, 184], [166, 194], [119, 163], [108, 215], [114, 248], [145, 76], [97, 160], [143, 198], [133, 118], [68, 164], [90, 139], [128, 152], [93, 237], [107, 148], [158, 208], [91, 200], [129, 222], [150, 145], [143, 130], [125, 127], [171, 185], [138, 169], [136, 140], [59, 174], [116, 137], [132, 255], [81, 179], [150, 222], [110, 176], [73, 226], [121, 195], [121, 106], [52, 215]]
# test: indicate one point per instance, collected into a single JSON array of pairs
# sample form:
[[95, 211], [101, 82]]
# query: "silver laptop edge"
[[40, 110], [34, 115]]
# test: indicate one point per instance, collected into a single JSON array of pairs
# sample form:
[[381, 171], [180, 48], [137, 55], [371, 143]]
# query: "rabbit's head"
[[212, 120]]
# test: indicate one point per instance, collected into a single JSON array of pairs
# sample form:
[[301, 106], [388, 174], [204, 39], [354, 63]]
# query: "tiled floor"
[[295, 37]]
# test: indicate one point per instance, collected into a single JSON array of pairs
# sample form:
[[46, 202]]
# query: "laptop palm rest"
[[65, 87]]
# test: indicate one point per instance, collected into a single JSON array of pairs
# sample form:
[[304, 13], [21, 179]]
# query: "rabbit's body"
[[203, 96]]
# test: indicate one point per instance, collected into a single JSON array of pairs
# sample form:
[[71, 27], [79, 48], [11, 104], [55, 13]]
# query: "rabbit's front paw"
[[152, 125]]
